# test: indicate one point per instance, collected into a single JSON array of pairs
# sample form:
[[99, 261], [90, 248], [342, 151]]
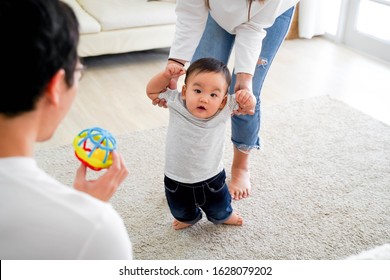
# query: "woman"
[[256, 29]]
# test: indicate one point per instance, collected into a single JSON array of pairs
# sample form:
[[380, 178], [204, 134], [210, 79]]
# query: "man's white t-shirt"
[[40, 218]]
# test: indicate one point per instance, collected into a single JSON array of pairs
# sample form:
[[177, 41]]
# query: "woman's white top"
[[231, 15], [40, 218]]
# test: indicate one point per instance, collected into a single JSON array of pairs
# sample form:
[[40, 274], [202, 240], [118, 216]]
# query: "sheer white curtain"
[[311, 21]]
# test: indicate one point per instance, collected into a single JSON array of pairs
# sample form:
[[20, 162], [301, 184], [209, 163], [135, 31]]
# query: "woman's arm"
[[190, 24], [250, 34]]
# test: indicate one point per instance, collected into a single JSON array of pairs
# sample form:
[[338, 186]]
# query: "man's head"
[[205, 87], [39, 38]]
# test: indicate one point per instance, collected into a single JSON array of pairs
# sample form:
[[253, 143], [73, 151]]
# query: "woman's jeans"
[[218, 43], [212, 196]]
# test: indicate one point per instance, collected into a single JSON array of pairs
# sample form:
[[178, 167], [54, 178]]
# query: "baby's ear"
[[224, 100], [183, 92]]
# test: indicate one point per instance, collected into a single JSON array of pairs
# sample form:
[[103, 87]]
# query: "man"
[[40, 218]]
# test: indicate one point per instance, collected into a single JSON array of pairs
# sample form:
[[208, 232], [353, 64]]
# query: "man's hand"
[[105, 186]]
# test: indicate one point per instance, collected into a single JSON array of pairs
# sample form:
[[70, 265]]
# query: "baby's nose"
[[204, 99]]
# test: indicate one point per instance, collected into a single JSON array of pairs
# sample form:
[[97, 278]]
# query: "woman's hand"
[[105, 186], [160, 102], [243, 81], [243, 90]]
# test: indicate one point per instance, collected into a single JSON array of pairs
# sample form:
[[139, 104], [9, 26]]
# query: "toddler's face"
[[205, 94]]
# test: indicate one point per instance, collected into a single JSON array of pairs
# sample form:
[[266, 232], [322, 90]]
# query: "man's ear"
[[224, 100], [183, 92], [55, 86]]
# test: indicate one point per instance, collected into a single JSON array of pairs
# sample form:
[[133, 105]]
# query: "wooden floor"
[[112, 92]]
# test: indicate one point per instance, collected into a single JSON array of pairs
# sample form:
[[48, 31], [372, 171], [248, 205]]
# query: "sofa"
[[120, 26]]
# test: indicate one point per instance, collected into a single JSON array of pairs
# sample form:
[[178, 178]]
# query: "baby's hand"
[[246, 101], [174, 71]]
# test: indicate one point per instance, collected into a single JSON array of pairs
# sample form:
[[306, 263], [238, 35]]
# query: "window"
[[361, 24]]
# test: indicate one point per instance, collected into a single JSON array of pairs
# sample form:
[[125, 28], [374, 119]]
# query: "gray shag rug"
[[321, 189]]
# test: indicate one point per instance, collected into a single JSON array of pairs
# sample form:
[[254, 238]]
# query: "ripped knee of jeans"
[[262, 62]]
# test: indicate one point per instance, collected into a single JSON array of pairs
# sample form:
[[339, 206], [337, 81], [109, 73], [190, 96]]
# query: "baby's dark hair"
[[209, 64]]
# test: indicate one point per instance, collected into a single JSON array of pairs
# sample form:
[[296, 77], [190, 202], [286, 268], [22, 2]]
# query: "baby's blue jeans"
[[212, 196]]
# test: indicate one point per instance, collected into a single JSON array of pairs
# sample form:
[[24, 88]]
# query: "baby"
[[195, 178]]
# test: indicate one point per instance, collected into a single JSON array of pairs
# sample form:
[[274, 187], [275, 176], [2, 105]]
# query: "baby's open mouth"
[[201, 108]]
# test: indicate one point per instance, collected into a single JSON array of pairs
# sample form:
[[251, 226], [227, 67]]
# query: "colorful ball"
[[93, 147]]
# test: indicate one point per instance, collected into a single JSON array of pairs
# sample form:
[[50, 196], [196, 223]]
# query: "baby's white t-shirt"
[[194, 147]]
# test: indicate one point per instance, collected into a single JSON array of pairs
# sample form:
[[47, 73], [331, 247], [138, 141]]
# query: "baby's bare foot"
[[179, 225], [234, 220], [240, 185]]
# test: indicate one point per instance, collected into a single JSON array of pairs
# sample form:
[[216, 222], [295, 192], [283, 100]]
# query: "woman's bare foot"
[[179, 225], [234, 220], [240, 185]]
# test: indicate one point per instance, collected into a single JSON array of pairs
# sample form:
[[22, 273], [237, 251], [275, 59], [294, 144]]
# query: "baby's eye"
[[214, 95], [197, 91]]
